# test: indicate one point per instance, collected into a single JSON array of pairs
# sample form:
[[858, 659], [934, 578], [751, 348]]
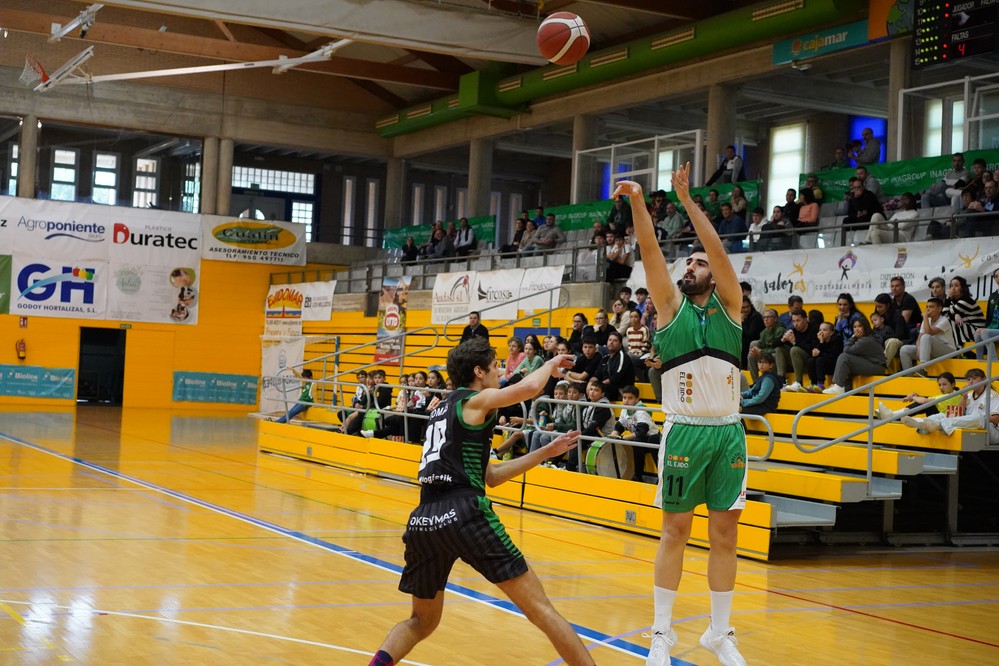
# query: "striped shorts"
[[461, 525]]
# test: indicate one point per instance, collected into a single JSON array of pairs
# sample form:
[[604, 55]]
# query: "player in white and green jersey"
[[702, 458]]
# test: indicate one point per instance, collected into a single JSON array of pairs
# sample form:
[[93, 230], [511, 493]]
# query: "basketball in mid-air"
[[563, 38]]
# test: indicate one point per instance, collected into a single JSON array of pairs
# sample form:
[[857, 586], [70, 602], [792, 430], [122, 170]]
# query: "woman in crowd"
[[846, 314], [409, 251], [527, 238], [532, 360], [964, 311], [738, 200], [808, 219], [862, 355], [513, 359], [619, 320]]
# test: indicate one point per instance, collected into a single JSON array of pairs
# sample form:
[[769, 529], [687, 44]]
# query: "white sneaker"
[[368, 433], [911, 422], [792, 387], [662, 643], [929, 425], [835, 389], [724, 646], [884, 413]]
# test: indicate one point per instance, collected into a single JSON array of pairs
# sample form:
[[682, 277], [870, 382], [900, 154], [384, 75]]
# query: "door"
[[102, 366]]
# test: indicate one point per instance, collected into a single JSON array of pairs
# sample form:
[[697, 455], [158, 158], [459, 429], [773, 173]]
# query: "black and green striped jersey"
[[455, 454], [700, 351]]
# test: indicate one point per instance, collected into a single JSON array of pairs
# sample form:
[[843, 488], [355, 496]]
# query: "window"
[[787, 161], [667, 165], [440, 202], [105, 179], [371, 218], [349, 185], [64, 171], [12, 181], [145, 194], [301, 212], [936, 125], [191, 198], [274, 181], [417, 204]]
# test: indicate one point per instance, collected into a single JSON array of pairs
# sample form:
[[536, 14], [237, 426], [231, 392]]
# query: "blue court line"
[[501, 604]]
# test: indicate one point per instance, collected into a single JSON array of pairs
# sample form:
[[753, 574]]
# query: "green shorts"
[[701, 464]]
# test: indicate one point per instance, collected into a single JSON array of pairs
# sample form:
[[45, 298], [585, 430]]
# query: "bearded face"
[[697, 278]]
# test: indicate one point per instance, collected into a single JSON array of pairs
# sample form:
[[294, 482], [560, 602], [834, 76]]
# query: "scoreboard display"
[[949, 31]]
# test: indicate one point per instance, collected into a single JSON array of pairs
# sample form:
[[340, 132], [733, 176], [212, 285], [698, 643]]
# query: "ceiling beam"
[[220, 49], [801, 92], [224, 29], [441, 62], [381, 93]]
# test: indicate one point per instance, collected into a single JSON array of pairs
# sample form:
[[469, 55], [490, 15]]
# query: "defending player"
[[702, 458], [455, 519]]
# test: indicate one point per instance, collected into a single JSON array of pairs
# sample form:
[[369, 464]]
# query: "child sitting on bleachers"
[[763, 396], [597, 419], [640, 426]]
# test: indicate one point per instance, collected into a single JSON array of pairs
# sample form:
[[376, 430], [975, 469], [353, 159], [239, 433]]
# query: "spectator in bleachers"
[[620, 259], [601, 327], [624, 293], [527, 238], [442, 247], [619, 217], [672, 222], [802, 336], [757, 220], [904, 218], [452, 232], [812, 183], [840, 160], [730, 170], [824, 356], [991, 329], [640, 427], [846, 314], [641, 300], [597, 420], [465, 241], [361, 401], [518, 233], [764, 395], [513, 359], [977, 183], [938, 289], [871, 184], [777, 232], [794, 302], [732, 229], [410, 251], [619, 320], [561, 347], [547, 236], [870, 153], [752, 327], [562, 418], [862, 209], [791, 206], [532, 359], [435, 380], [947, 191], [539, 217], [637, 334], [586, 363], [987, 202], [948, 386], [737, 197], [649, 316], [770, 342], [474, 329], [862, 355], [579, 324], [893, 331], [974, 416], [808, 219], [713, 206], [747, 290], [304, 399], [904, 302], [657, 207], [616, 369]]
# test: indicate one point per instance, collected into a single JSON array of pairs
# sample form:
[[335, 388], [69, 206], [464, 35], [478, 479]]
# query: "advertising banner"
[[452, 296], [158, 294], [64, 231], [822, 42], [33, 381], [393, 307], [317, 304], [280, 387], [536, 282], [252, 241], [493, 292], [154, 238], [484, 228], [820, 276], [5, 263], [55, 288], [214, 387]]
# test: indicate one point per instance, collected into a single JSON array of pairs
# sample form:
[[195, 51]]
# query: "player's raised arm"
[[657, 276], [488, 399], [726, 281]]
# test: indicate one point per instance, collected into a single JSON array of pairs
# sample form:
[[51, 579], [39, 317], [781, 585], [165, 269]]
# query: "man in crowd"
[[948, 189], [615, 370], [770, 342], [863, 208], [870, 153], [586, 363], [465, 241], [730, 170], [475, 329], [905, 303], [803, 338], [936, 338]]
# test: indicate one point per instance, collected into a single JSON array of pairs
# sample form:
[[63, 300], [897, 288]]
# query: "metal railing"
[[874, 422], [552, 291]]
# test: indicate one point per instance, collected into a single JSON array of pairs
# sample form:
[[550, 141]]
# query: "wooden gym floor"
[[141, 537]]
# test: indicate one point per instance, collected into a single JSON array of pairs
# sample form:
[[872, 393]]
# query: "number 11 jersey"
[[455, 453]]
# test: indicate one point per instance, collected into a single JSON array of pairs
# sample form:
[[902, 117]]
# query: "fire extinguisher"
[[22, 351]]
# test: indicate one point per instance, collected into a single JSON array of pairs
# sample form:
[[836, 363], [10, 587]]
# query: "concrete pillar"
[[395, 192], [27, 157], [224, 194], [585, 174], [209, 174], [899, 73], [480, 176], [721, 126]]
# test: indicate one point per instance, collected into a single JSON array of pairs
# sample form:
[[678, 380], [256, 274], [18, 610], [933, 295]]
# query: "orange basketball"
[[563, 38]]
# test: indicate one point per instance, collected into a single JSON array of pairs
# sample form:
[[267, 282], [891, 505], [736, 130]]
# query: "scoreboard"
[[948, 31]]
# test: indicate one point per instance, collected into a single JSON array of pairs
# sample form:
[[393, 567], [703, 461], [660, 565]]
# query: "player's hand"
[[628, 188], [561, 364], [561, 444], [681, 181], [433, 403]]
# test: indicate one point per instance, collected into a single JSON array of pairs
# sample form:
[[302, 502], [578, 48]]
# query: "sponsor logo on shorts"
[[737, 461], [683, 462], [685, 387], [432, 522]]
